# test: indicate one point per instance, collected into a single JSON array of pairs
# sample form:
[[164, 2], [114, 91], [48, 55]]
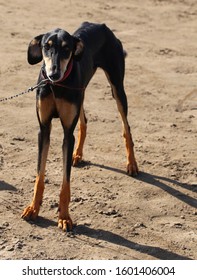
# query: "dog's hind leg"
[[121, 100], [132, 168], [78, 153]]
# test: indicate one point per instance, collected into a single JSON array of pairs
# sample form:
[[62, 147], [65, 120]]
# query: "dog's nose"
[[54, 74]]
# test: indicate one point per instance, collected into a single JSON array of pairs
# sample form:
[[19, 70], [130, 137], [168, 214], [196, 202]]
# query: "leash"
[[64, 86], [42, 83]]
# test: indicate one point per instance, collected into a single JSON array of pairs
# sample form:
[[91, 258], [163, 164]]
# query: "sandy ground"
[[152, 216]]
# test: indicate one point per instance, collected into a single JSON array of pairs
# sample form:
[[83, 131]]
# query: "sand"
[[152, 216]]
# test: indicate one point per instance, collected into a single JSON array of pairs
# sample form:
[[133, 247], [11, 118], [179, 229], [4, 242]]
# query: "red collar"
[[66, 74], [68, 71]]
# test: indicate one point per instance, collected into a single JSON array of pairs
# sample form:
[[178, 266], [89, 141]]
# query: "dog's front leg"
[[68, 114], [31, 212], [64, 221]]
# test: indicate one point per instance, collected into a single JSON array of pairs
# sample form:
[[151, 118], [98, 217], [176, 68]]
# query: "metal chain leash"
[[42, 83]]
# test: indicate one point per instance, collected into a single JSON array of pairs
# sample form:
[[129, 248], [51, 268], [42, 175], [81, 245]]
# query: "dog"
[[69, 62]]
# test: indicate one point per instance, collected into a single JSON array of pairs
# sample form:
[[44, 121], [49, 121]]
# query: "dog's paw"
[[30, 213], [65, 224], [132, 169], [76, 159]]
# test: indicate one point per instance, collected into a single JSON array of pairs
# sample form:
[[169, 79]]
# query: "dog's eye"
[[66, 49], [46, 47]]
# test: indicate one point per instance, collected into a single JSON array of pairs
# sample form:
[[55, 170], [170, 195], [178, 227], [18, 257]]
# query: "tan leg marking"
[[67, 113], [77, 155], [31, 212], [64, 220], [45, 108], [132, 168]]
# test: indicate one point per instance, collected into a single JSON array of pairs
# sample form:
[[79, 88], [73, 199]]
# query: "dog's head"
[[56, 48]]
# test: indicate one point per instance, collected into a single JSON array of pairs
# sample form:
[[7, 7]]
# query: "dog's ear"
[[34, 53], [78, 48]]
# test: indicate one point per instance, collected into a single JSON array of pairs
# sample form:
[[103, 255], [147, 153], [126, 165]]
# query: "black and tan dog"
[[69, 62]]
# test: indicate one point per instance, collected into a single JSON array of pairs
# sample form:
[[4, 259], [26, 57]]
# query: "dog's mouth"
[[58, 76], [55, 77]]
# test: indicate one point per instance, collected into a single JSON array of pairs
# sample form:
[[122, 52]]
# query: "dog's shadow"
[[111, 238], [6, 187], [99, 234], [157, 181], [164, 184], [116, 239], [43, 222]]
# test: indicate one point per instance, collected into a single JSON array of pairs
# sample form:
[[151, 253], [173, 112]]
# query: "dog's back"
[[91, 34], [101, 49]]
